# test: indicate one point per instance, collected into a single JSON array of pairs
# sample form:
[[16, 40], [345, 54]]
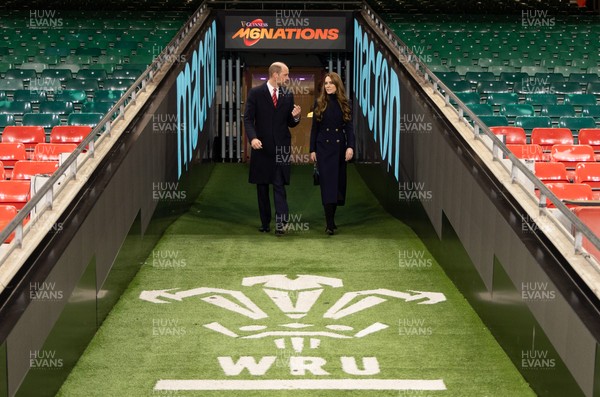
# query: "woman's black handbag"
[[316, 176]]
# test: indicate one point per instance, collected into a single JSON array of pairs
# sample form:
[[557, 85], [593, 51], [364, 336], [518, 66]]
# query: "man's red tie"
[[275, 97]]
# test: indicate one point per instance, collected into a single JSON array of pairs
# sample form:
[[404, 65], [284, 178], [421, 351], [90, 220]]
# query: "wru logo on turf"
[[296, 298]]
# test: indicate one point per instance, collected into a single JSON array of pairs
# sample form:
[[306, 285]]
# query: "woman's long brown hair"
[[340, 94]]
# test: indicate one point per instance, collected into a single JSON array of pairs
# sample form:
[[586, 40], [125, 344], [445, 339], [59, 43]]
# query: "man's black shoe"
[[264, 229], [279, 232]]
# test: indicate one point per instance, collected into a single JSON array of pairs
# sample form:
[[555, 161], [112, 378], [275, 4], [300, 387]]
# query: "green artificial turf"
[[216, 245]]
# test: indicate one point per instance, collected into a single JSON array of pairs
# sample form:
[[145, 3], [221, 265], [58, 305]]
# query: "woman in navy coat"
[[332, 144]]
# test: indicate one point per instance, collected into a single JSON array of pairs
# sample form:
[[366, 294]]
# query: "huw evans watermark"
[[286, 155], [44, 359], [414, 191], [536, 19], [168, 259], [291, 18], [414, 259], [45, 291], [414, 327], [167, 327], [166, 123], [170, 59], [42, 19], [418, 53], [168, 191], [537, 291], [292, 223], [412, 123], [537, 359]]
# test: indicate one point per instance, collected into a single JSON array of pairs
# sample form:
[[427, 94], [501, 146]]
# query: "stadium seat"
[[481, 109], [588, 173], [30, 136], [590, 136], [11, 84], [548, 171], [590, 216], [30, 96], [494, 121], [584, 78], [580, 99], [88, 51], [122, 84], [15, 107], [75, 96], [541, 99], [444, 76], [512, 110], [548, 137], [134, 73], [59, 74], [489, 87], [527, 152], [58, 107], [52, 151], [90, 119], [80, 84], [502, 98], [15, 193], [591, 111], [25, 170], [476, 77], [556, 111], [10, 153], [528, 123], [576, 123], [69, 134], [115, 95], [570, 155], [513, 77], [46, 120], [37, 66], [565, 87], [96, 107], [91, 74], [6, 119], [21, 74], [570, 192], [593, 88], [7, 214], [512, 135]]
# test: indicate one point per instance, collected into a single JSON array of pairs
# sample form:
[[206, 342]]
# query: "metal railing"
[[46, 195], [498, 148]]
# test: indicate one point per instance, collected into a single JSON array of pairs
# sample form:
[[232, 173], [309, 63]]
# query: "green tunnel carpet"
[[223, 306]]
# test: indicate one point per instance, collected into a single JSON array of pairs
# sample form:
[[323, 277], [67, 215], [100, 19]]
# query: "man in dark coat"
[[269, 113]]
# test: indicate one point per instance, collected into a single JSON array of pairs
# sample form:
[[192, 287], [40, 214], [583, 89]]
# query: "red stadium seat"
[[571, 192], [570, 155], [551, 172], [10, 153], [548, 137], [24, 170], [69, 133], [15, 193], [52, 151], [590, 216], [589, 173], [590, 136], [7, 214], [530, 152], [2, 173], [513, 135], [28, 135]]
